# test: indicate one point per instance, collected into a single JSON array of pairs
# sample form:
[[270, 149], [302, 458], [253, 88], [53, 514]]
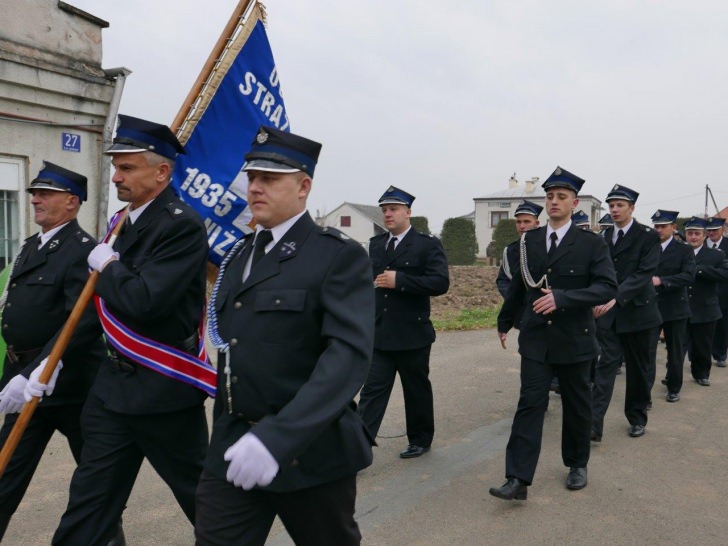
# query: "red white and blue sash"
[[161, 358]]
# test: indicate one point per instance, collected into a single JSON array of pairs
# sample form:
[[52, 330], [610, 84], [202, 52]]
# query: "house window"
[[11, 171], [346, 221], [496, 217]]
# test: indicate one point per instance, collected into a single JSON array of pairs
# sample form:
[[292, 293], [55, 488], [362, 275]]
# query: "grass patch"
[[468, 319]]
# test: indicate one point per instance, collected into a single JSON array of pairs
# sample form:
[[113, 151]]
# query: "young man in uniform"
[[408, 268], [625, 322], [674, 274], [567, 272]]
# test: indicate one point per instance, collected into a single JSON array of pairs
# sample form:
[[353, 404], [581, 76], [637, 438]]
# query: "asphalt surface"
[[667, 487]]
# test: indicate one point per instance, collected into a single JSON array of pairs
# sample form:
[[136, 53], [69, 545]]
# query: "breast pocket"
[[279, 313], [44, 289]]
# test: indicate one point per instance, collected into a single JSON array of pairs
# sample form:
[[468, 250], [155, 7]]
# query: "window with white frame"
[[12, 180]]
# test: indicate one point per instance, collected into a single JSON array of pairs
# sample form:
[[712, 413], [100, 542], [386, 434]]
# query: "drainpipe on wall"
[[118, 74]]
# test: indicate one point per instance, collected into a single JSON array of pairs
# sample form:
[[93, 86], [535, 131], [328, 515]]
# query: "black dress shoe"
[[703, 382], [636, 430], [513, 489], [721, 363], [413, 451], [594, 437], [576, 478], [673, 397]]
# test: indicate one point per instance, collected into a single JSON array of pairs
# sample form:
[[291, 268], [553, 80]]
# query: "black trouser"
[[636, 347], [524, 444], [322, 515], [21, 467], [701, 339], [115, 445], [675, 339], [605, 373], [720, 338], [414, 369]]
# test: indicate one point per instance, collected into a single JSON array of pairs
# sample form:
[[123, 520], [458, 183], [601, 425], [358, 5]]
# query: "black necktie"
[[620, 236], [552, 248], [390, 247], [261, 240]]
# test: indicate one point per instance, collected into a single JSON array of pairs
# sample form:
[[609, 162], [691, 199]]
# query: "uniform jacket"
[[581, 276], [676, 271], [635, 261], [503, 280], [157, 289], [403, 313], [723, 287], [512, 254], [42, 291], [711, 270], [300, 329]]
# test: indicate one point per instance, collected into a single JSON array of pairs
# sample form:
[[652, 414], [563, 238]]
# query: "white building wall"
[[362, 228], [51, 83]]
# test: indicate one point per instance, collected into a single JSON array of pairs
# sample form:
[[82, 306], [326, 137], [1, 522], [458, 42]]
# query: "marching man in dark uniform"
[[672, 278], [408, 267], [711, 270], [604, 223], [46, 279], [292, 314], [526, 219], [625, 323], [150, 302], [567, 272], [716, 239]]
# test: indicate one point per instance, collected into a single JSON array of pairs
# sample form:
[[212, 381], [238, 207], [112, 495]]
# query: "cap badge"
[[657, 214], [557, 172], [616, 187], [391, 188], [262, 137]]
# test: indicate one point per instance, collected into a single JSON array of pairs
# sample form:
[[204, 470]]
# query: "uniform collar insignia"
[[178, 211], [288, 249], [53, 244]]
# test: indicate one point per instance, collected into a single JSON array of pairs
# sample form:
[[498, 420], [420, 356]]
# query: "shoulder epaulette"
[[333, 232]]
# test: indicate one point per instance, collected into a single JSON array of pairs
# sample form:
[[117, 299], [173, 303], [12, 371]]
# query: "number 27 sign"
[[70, 142]]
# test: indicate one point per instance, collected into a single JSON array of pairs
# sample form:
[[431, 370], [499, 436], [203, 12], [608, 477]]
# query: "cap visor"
[[45, 186], [268, 166], [124, 149]]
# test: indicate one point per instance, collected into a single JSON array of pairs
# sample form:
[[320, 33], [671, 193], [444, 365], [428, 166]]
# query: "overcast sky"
[[448, 99]]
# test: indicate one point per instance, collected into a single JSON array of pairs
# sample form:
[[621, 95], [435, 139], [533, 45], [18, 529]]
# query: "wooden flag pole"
[[56, 353], [209, 65]]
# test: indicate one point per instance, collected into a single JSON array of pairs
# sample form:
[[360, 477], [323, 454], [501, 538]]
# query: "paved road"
[[667, 487]]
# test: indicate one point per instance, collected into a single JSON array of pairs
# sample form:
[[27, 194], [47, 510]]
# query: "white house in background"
[[360, 222], [501, 205]]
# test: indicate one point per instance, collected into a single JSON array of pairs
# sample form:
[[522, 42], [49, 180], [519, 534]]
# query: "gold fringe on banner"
[[236, 33]]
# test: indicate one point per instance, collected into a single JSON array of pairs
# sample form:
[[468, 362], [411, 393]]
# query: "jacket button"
[[234, 379], [549, 323], [233, 342], [237, 305], [7, 304], [13, 285], [385, 309], [548, 270], [278, 302], [240, 415], [386, 295], [571, 270], [586, 330]]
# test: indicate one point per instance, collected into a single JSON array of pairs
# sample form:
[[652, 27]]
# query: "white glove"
[[101, 255], [35, 388], [251, 463], [11, 397]]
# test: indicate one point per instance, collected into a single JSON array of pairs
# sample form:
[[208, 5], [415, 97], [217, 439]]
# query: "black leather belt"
[[21, 358], [189, 346]]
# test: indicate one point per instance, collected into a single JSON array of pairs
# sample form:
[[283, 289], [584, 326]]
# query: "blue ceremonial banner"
[[208, 177]]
